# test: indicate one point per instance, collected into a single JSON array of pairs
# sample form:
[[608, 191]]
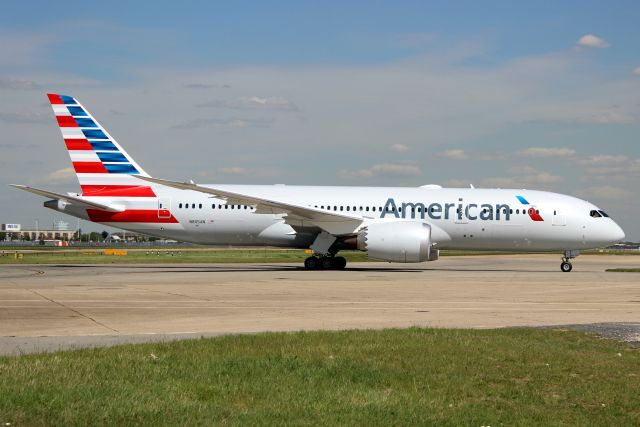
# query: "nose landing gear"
[[566, 266]]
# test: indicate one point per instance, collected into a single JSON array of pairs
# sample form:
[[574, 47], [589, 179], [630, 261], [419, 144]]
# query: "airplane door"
[[164, 207], [558, 218]]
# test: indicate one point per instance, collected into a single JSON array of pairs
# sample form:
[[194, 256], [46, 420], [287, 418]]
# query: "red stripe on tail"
[[89, 167], [78, 144], [66, 122], [54, 99]]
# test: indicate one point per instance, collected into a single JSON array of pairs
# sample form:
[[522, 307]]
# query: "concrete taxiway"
[[51, 307]]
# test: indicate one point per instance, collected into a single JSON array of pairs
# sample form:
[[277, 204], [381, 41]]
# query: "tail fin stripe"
[[89, 167], [115, 157], [66, 122], [54, 99], [77, 112], [103, 145], [121, 168], [85, 123], [94, 134], [77, 144]]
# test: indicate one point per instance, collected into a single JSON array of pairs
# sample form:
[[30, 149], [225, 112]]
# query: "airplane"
[[394, 224]]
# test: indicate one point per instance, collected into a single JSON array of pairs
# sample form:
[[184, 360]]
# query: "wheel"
[[339, 262], [566, 267], [311, 263], [327, 263]]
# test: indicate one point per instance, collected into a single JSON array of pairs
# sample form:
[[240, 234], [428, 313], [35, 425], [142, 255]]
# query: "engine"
[[397, 241]]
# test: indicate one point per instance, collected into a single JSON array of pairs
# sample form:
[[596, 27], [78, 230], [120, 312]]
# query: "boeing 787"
[[395, 224]]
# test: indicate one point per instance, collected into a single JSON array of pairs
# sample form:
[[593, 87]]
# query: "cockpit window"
[[595, 214], [604, 214]]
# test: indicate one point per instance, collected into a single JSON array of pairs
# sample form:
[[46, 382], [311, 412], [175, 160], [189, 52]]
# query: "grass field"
[[390, 377], [137, 256]]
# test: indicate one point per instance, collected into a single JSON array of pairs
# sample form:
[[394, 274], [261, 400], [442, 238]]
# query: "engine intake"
[[397, 241]]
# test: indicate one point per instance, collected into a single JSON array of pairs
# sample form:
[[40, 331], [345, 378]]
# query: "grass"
[[390, 377], [138, 256], [624, 270]]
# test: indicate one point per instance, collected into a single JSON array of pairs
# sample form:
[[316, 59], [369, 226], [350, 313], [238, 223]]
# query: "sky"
[[496, 94]]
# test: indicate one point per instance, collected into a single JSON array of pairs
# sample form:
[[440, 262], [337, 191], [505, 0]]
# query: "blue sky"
[[496, 94]]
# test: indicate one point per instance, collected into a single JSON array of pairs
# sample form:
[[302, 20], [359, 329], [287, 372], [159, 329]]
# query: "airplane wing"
[[72, 200], [333, 222]]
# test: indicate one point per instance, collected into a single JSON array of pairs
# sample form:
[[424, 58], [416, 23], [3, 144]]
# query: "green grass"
[[624, 270], [137, 256], [391, 377]]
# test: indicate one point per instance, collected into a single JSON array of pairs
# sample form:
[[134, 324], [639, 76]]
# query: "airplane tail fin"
[[102, 166]]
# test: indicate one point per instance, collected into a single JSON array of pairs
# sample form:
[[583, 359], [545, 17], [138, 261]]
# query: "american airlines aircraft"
[[395, 224]]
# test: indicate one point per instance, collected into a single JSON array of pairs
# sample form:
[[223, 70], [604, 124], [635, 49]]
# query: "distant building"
[[60, 231]]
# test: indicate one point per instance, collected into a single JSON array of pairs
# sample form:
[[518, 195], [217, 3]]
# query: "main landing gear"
[[566, 266], [325, 263]]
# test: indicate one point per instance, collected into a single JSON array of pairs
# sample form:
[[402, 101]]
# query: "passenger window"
[[348, 207], [367, 209], [193, 205], [200, 206], [180, 205], [341, 208]]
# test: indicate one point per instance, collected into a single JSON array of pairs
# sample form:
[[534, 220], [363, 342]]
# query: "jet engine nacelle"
[[397, 241]]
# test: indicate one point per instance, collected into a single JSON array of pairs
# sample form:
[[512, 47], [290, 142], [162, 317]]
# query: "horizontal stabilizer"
[[72, 200]]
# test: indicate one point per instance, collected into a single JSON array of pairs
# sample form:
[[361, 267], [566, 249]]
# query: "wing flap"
[[73, 200]]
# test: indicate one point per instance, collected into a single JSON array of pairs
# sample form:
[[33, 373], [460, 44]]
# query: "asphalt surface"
[[48, 308]]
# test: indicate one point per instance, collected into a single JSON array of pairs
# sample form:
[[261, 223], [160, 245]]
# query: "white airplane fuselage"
[[460, 218]]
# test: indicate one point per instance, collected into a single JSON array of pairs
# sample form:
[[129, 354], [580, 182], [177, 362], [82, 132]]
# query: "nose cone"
[[617, 233]]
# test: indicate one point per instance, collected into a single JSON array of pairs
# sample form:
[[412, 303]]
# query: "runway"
[[61, 306]]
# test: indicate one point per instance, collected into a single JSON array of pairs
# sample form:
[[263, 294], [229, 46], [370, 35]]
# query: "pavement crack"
[[74, 311], [175, 294]]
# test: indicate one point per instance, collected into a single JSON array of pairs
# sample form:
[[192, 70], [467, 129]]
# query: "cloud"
[[399, 148], [591, 41], [206, 86], [603, 160], [541, 152], [232, 123], [455, 154], [254, 103], [60, 176], [18, 84], [522, 177], [235, 170], [604, 192], [397, 169]]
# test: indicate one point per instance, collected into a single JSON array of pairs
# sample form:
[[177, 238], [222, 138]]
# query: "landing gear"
[[325, 263], [566, 266]]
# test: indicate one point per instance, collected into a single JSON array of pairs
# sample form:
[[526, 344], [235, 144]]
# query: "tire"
[[327, 263], [311, 263], [566, 267], [339, 262]]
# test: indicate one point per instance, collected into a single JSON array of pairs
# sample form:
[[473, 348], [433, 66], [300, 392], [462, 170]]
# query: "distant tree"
[[104, 234], [27, 238], [94, 236], [3, 235]]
